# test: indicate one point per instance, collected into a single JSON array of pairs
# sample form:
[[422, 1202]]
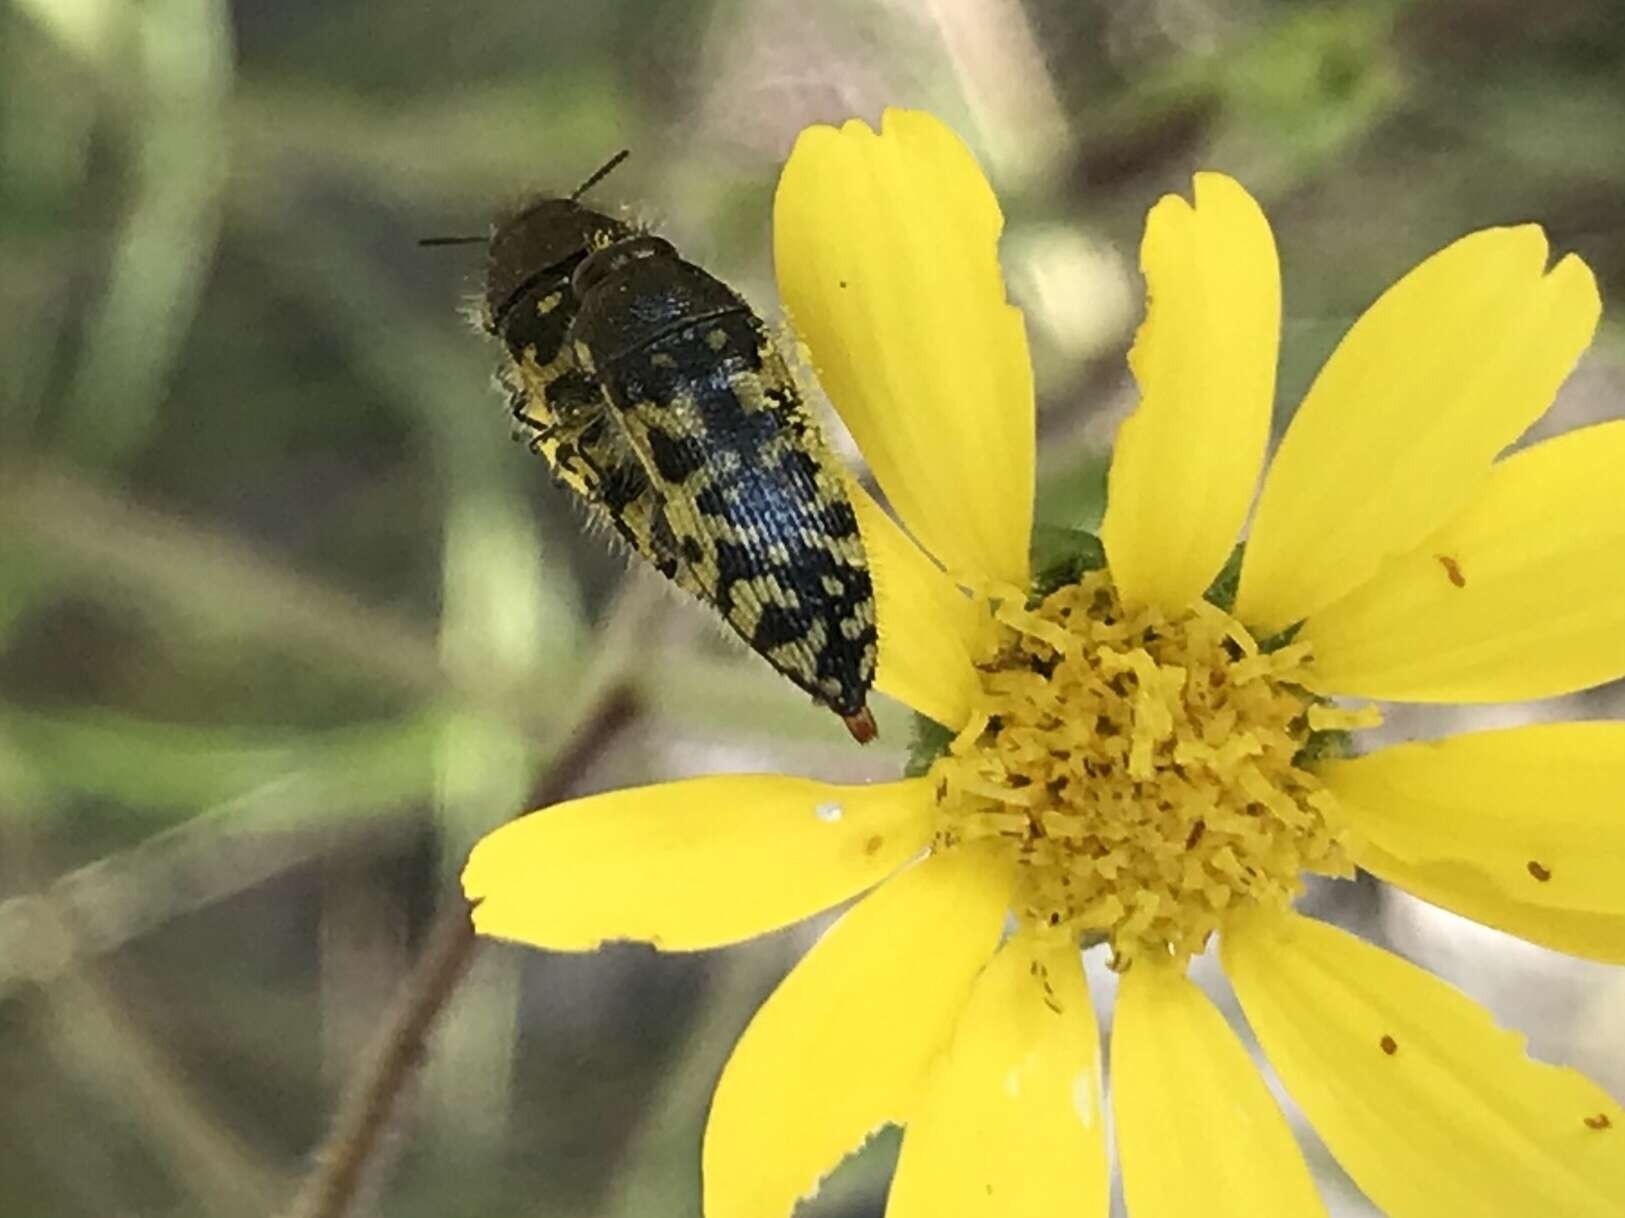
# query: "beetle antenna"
[[599, 174], [453, 240]]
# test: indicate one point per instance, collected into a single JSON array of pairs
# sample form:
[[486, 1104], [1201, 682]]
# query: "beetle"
[[659, 398]]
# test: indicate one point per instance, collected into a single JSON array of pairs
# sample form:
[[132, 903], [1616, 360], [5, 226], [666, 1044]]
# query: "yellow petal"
[[1522, 595], [1011, 1125], [1197, 1130], [695, 864], [841, 1048], [1186, 462], [1397, 433], [926, 625], [1431, 1108], [1466, 890], [888, 264], [1522, 829]]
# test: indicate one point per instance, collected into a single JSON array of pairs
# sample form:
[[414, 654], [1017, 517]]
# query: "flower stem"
[[367, 1106]]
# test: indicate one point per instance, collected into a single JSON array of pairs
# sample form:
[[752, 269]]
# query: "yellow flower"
[[1138, 767]]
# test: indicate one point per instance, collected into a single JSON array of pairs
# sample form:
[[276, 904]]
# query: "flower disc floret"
[[1144, 769]]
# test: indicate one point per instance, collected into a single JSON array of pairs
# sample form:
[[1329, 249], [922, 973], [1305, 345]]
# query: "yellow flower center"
[[1145, 770]]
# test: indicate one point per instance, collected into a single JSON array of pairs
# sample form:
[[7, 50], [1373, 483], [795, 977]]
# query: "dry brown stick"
[[368, 1103]]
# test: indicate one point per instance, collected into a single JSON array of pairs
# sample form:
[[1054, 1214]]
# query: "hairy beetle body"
[[657, 396]]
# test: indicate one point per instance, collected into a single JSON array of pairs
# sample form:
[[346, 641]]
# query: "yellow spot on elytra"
[[716, 339], [1141, 770]]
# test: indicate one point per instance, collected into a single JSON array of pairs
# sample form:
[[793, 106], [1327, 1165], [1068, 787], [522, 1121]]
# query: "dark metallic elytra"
[[659, 398]]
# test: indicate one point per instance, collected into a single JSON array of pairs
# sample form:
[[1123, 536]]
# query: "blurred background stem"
[[175, 105], [369, 1101]]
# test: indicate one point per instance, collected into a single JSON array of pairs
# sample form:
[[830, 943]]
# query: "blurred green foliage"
[[286, 622]]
